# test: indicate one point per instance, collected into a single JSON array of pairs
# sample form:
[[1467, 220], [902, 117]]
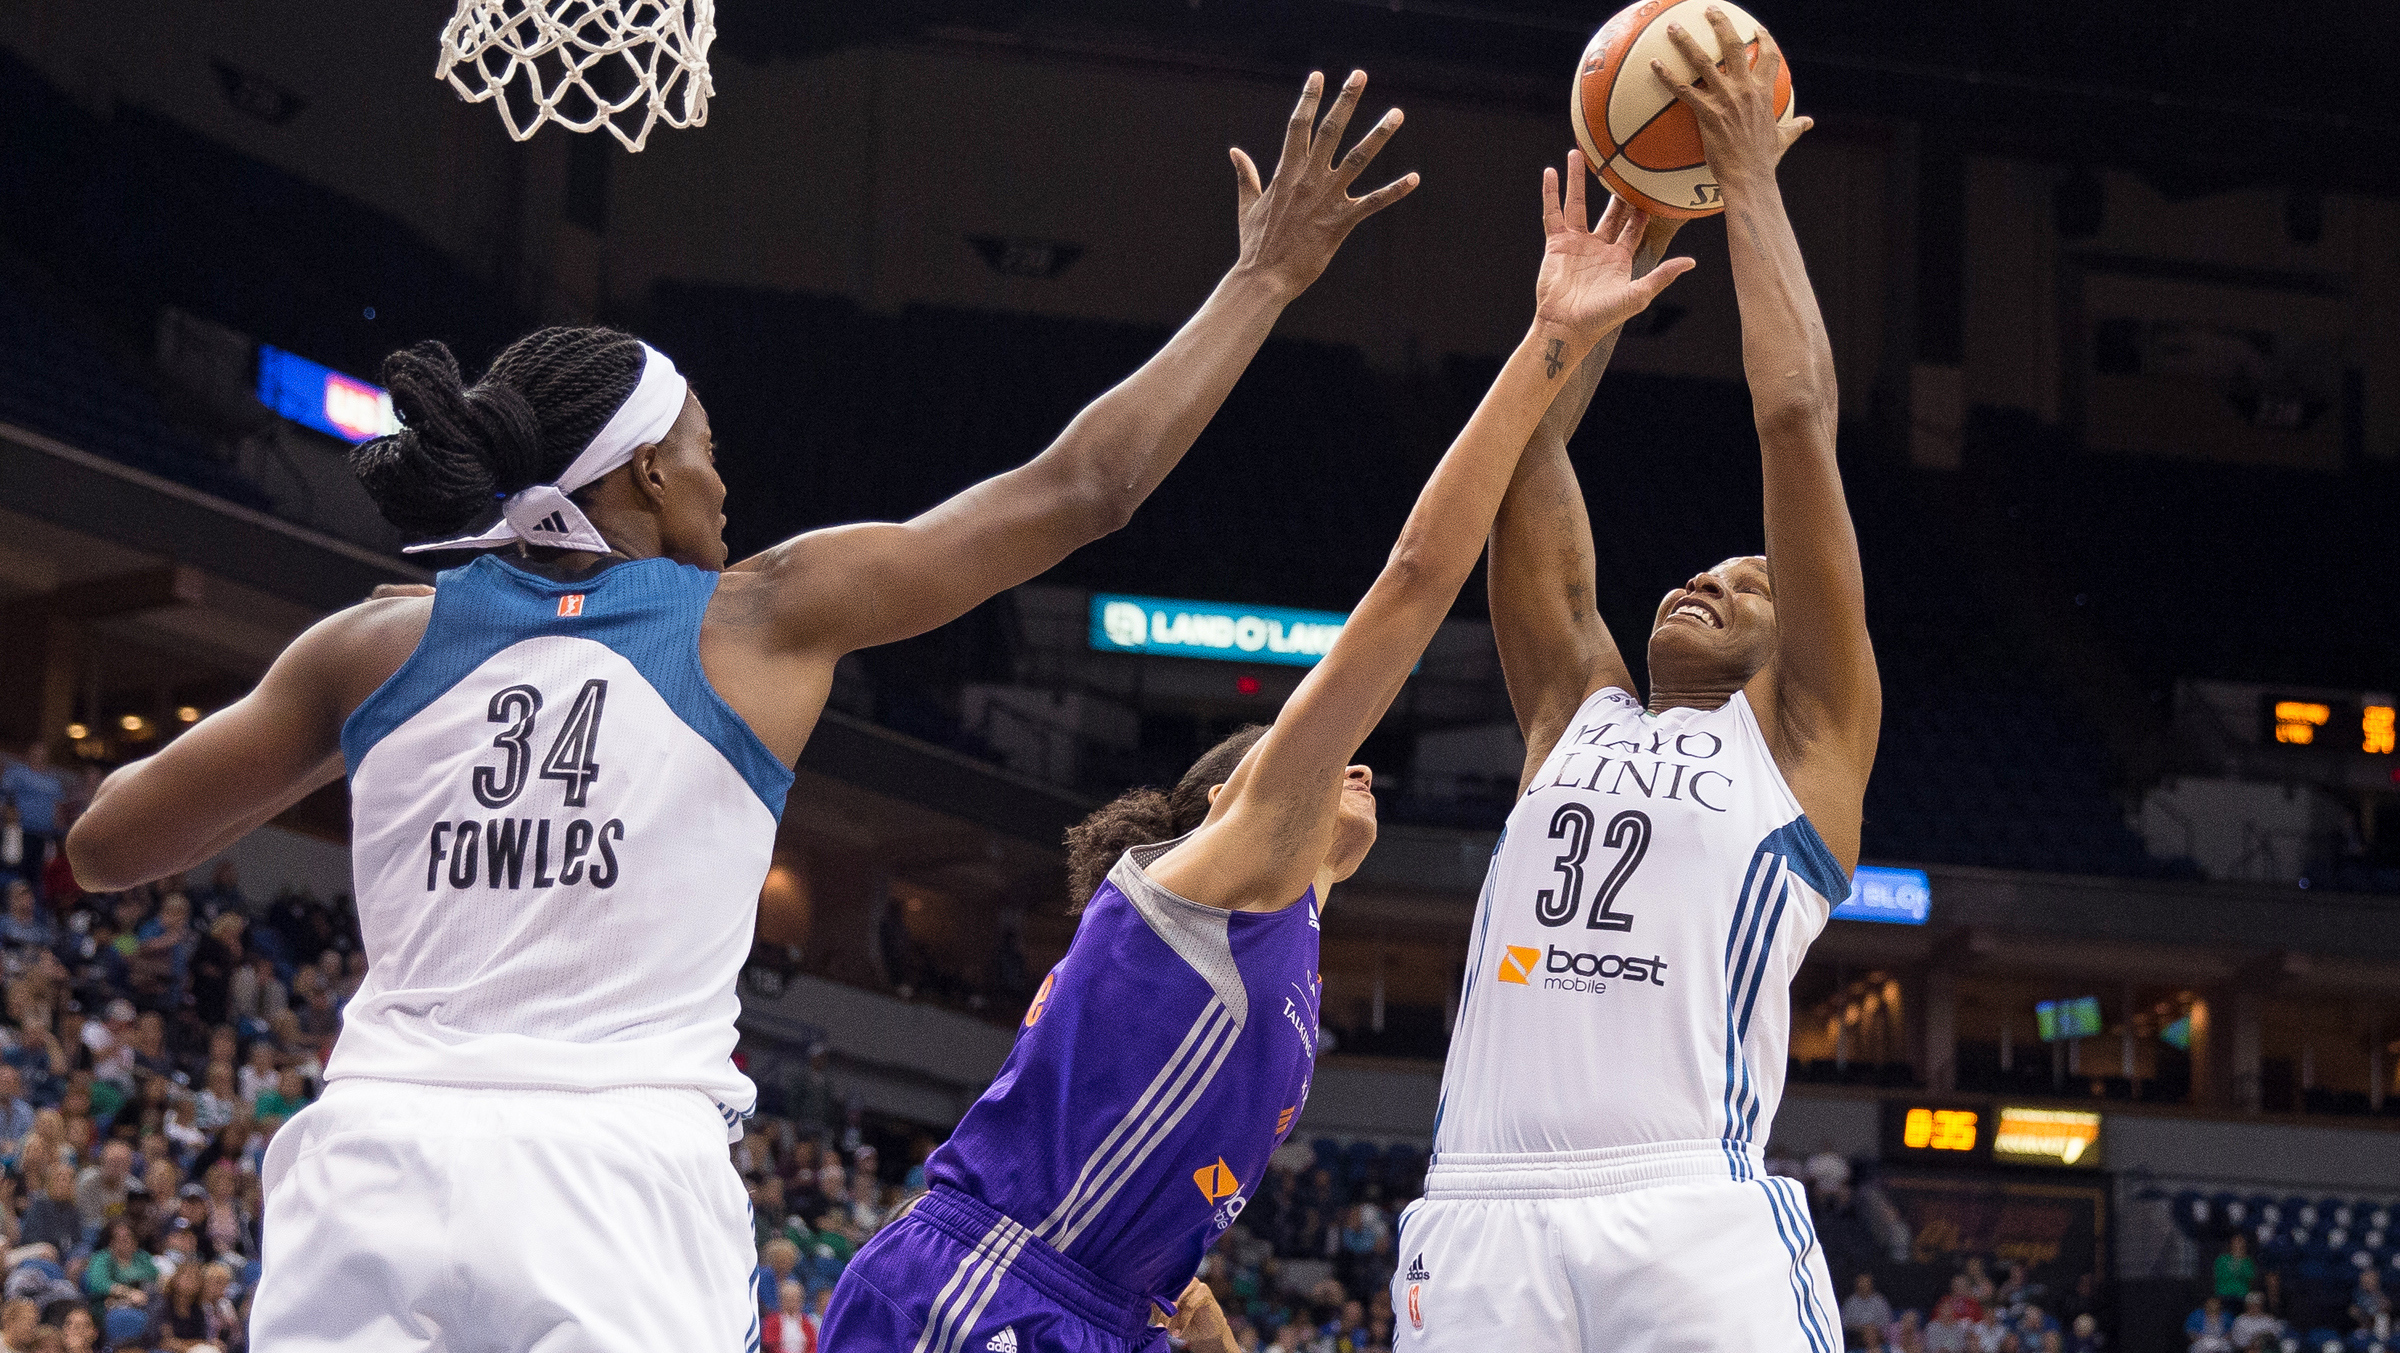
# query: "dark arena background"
[[2114, 296]]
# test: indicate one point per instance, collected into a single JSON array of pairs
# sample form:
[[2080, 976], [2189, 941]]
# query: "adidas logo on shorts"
[[1416, 1269], [1003, 1342]]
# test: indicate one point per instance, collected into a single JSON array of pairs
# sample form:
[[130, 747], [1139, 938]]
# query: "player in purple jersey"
[[1169, 1053]]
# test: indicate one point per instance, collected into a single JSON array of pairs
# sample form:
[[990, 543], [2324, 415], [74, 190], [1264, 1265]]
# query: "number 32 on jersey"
[[1628, 834]]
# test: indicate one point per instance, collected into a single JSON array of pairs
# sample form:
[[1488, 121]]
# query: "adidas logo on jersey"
[[1003, 1342]]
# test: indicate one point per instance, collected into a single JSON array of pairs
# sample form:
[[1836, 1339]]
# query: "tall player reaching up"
[[1169, 1053], [566, 767], [1621, 1044]]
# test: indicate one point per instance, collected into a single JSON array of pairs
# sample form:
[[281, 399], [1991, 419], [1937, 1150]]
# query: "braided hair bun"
[[463, 447]]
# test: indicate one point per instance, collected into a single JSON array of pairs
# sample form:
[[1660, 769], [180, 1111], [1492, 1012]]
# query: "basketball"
[[1644, 144]]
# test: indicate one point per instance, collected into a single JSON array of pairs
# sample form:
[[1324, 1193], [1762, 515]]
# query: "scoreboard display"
[[2362, 725], [1959, 1133]]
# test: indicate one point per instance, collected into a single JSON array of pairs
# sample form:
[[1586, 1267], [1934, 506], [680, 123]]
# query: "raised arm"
[[851, 587], [1820, 701], [1555, 650], [1268, 832]]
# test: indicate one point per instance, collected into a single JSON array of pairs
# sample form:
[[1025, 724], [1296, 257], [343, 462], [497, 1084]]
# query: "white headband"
[[542, 514]]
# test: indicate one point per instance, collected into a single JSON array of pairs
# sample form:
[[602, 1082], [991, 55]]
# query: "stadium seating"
[[56, 380]]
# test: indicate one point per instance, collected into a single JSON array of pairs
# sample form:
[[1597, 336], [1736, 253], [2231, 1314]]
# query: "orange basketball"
[[1643, 143]]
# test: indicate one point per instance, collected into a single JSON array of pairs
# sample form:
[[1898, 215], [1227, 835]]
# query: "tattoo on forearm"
[[1554, 358]]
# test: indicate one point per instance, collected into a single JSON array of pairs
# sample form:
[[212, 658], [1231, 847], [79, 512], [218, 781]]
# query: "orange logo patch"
[[1041, 1001], [1517, 964], [571, 604], [1216, 1181]]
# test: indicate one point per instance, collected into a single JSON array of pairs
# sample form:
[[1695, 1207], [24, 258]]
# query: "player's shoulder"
[[357, 648]]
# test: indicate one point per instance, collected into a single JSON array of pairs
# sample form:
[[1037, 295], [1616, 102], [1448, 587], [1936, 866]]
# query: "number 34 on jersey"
[[505, 851]]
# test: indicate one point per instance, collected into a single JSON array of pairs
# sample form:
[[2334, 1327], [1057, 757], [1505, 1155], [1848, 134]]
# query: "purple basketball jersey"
[[1164, 1059]]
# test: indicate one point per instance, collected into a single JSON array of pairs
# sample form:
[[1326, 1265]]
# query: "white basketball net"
[[586, 63]]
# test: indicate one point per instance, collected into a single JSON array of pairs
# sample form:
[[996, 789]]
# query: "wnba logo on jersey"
[[570, 605], [1219, 1185], [1517, 965]]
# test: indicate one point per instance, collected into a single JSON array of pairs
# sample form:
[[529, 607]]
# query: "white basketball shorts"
[[1651, 1249], [406, 1218]]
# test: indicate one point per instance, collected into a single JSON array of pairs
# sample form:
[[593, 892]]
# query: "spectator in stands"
[[226, 1326], [121, 1273], [2236, 1271], [16, 863], [52, 1218], [776, 1261], [2086, 1336], [1865, 1314], [288, 1097], [16, 1116], [214, 960], [25, 929], [255, 997], [791, 1329], [1979, 1283], [2254, 1322], [78, 1332], [34, 790], [17, 1321], [1829, 1177], [101, 1190], [2208, 1328], [183, 1310], [2370, 1305]]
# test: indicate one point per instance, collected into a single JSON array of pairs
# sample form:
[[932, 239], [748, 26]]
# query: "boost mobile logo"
[[1563, 970], [1219, 1185], [1517, 964]]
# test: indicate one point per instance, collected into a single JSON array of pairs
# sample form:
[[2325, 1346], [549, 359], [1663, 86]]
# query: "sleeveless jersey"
[[1631, 963], [558, 834], [1162, 1061]]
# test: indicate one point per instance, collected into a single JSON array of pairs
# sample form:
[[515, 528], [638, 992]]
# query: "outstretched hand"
[[1587, 287], [1733, 100], [1292, 226]]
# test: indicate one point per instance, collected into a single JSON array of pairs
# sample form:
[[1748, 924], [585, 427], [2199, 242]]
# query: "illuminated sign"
[[317, 396], [1893, 896], [1939, 1129], [2047, 1137], [2375, 729], [1204, 629], [2078, 1018], [2297, 721]]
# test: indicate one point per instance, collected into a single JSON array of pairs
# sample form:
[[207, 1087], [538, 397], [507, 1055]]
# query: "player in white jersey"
[[566, 765], [1620, 1047]]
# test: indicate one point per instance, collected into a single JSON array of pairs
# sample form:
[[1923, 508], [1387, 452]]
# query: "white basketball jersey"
[[1649, 901], [558, 834]]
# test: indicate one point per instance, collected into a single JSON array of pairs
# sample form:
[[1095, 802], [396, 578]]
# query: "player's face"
[[1354, 823], [691, 525], [1717, 630]]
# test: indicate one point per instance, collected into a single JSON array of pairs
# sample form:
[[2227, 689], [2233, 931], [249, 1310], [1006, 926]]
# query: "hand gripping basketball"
[[1586, 286], [1734, 102], [1292, 226]]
